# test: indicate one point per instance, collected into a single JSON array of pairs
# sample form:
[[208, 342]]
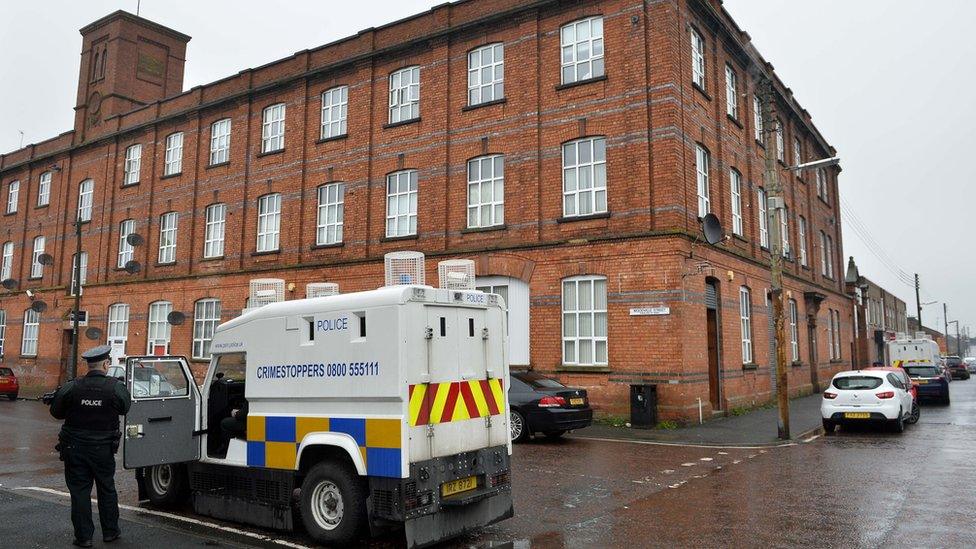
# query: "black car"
[[542, 405], [957, 368], [929, 382]]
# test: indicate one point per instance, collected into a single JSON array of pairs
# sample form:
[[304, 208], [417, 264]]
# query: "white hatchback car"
[[865, 396]]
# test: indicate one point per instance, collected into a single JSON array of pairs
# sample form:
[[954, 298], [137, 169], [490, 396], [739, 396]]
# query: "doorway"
[[714, 337]]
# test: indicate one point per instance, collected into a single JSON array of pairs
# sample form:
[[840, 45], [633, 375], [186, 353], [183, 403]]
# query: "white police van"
[[382, 408]]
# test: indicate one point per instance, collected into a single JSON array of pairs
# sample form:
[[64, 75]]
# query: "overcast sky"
[[888, 83]]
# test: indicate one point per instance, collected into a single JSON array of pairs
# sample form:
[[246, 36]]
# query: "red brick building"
[[568, 147]]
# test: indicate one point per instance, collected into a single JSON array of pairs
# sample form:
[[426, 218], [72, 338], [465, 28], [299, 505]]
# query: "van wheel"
[[333, 503], [166, 485]]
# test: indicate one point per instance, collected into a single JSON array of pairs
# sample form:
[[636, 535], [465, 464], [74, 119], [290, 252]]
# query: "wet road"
[[853, 489]]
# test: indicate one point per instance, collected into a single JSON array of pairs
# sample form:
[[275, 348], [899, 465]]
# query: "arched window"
[[32, 325], [745, 321]]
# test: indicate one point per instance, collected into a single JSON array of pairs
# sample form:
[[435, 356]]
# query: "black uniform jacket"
[[90, 407]]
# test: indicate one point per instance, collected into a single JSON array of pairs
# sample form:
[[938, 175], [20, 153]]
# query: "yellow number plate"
[[458, 486], [575, 402], [922, 381], [857, 415]]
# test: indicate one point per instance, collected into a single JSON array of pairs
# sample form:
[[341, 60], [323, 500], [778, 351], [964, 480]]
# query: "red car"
[[912, 388], [8, 383]]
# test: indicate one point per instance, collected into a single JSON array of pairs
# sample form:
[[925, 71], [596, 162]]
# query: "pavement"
[[754, 428]]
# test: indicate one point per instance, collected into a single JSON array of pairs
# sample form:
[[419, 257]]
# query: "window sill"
[[29, 357], [740, 238], [166, 264], [569, 219], [36, 277], [218, 165], [750, 366], [734, 121], [401, 123], [399, 238], [172, 175], [129, 185], [701, 90], [200, 360], [11, 213], [476, 230], [761, 144], [583, 368], [331, 139], [270, 153], [796, 364], [601, 78], [215, 258], [805, 267], [266, 252], [837, 361], [42, 206], [823, 200], [327, 246], [501, 101]]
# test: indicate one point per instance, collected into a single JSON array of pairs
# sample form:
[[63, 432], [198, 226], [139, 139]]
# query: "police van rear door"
[[161, 426]]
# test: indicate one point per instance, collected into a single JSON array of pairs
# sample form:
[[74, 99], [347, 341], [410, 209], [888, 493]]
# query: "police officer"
[[90, 407]]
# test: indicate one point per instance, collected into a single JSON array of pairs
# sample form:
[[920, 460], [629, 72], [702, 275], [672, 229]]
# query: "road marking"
[[172, 516], [811, 439], [704, 459], [689, 464], [667, 471], [723, 453]]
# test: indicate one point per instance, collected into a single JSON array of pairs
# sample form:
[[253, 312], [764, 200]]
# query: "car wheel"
[[898, 425], [555, 434], [915, 415], [946, 400], [166, 485], [333, 503], [12, 397], [520, 430], [828, 427]]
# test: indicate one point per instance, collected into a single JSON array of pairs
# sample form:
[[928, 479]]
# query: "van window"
[[159, 379], [857, 383], [233, 366]]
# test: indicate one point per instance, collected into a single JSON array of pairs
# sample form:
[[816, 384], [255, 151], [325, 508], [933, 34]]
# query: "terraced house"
[[569, 147]]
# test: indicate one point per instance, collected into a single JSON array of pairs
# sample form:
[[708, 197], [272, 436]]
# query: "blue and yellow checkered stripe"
[[273, 441]]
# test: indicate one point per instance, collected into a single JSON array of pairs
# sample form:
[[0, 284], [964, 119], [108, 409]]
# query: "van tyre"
[[333, 503], [166, 485]]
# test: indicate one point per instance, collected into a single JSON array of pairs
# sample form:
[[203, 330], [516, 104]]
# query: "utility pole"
[[76, 289], [918, 302], [775, 207], [945, 326]]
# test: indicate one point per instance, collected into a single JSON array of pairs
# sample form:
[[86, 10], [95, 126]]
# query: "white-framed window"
[[159, 329], [173, 157], [745, 323], [82, 263], [797, 152], [3, 329], [404, 94], [735, 184], [585, 176], [486, 74], [401, 203], [581, 44], [802, 228], [331, 212], [837, 347], [486, 191], [7, 261], [118, 323], [44, 189], [132, 168], [37, 269], [269, 222], [794, 331], [220, 141], [701, 175], [697, 59], [784, 231], [763, 219], [823, 253], [13, 196], [126, 250], [757, 120], [32, 325], [515, 292], [168, 223], [213, 233], [206, 317], [829, 253], [86, 193], [780, 144], [273, 128], [335, 111], [822, 183], [731, 93], [584, 306]]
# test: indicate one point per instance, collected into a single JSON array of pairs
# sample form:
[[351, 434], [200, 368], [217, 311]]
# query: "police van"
[[905, 349], [356, 411]]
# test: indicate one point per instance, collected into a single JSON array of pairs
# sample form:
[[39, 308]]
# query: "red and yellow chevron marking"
[[455, 401]]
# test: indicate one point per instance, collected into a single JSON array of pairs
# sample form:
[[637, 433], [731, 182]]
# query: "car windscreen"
[[857, 383], [539, 382], [922, 371], [6, 372]]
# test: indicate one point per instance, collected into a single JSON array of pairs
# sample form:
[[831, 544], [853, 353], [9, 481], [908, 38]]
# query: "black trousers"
[[84, 465]]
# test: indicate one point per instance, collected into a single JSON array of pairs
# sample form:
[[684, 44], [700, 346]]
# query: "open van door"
[[161, 426]]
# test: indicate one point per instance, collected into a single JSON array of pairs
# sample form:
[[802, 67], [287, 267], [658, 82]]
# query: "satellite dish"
[[9, 284], [45, 259], [132, 266], [712, 228], [134, 239], [38, 306], [93, 333], [175, 318]]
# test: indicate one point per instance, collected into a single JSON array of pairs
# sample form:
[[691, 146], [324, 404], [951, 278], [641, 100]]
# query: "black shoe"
[[110, 539], [82, 543]]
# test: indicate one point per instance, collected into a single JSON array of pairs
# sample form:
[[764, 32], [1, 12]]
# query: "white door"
[[118, 351]]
